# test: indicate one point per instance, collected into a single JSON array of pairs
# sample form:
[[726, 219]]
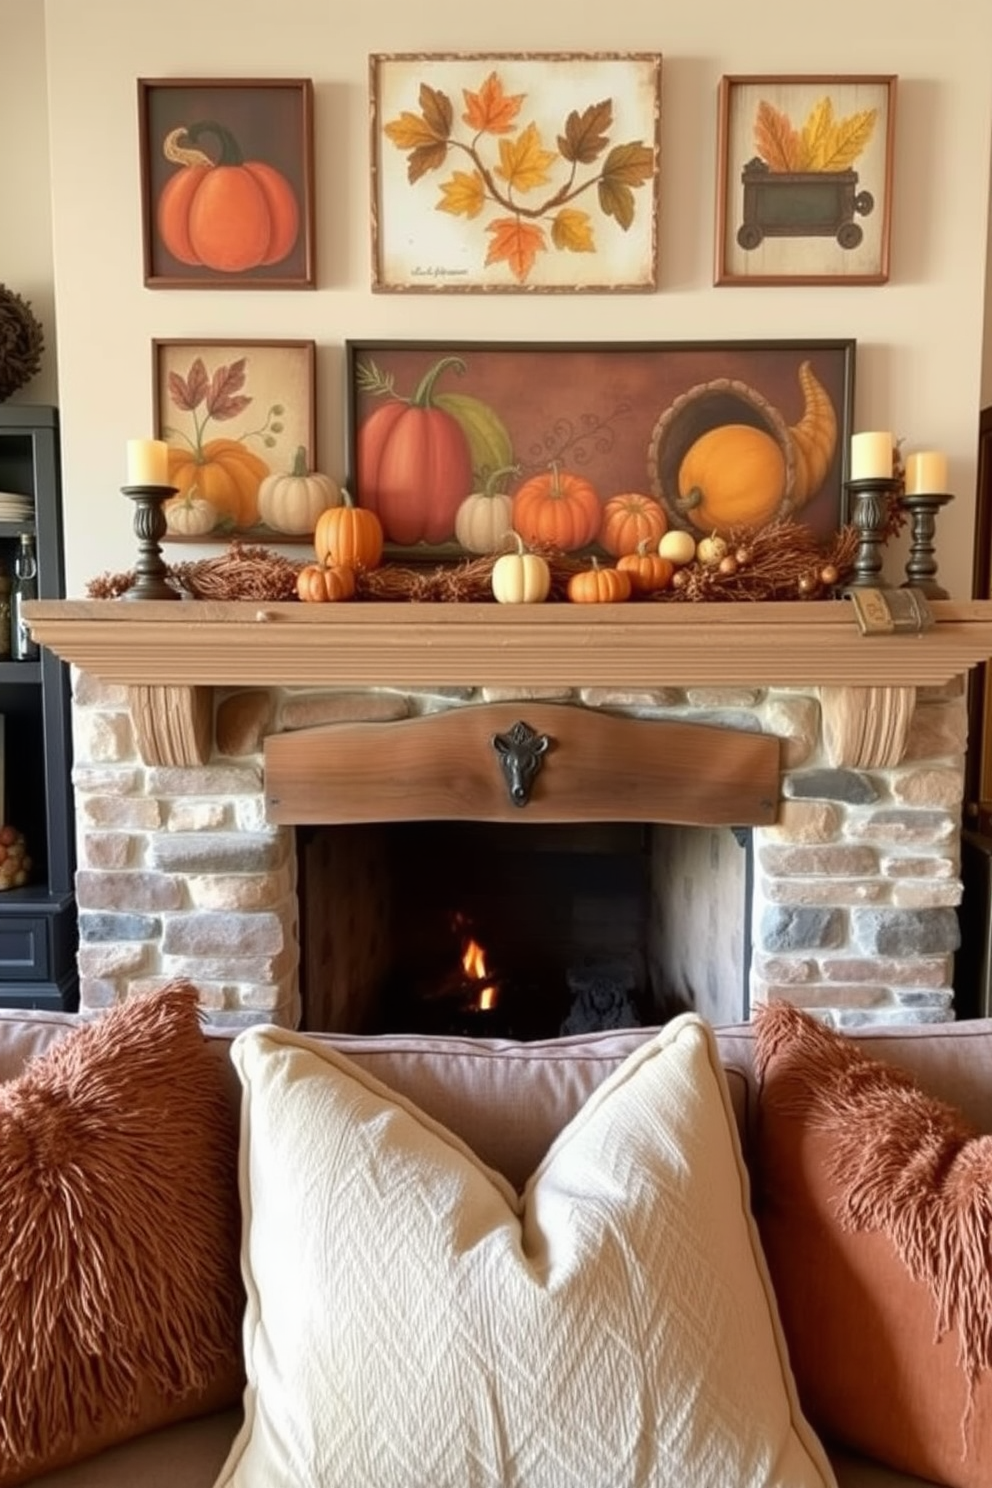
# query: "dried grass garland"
[[781, 561]]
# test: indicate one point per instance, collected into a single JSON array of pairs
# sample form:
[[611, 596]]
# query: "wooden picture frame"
[[804, 179], [233, 414], [227, 182], [620, 417], [512, 172]]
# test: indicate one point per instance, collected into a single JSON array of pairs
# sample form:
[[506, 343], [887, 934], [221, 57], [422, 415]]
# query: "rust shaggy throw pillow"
[[120, 1297], [875, 1208]]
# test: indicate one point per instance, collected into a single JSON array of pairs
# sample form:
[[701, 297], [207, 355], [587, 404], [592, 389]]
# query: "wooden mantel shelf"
[[202, 643], [171, 656]]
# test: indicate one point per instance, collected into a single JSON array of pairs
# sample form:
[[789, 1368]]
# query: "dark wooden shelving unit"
[[38, 934]]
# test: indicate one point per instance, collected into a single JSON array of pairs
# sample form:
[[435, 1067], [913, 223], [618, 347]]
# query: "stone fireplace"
[[193, 721]]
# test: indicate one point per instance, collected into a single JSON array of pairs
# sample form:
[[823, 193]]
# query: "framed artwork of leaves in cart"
[[514, 172], [804, 179]]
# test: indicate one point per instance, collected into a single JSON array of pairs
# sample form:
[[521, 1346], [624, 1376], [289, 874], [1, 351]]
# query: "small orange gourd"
[[348, 535], [319, 583], [598, 585], [649, 573]]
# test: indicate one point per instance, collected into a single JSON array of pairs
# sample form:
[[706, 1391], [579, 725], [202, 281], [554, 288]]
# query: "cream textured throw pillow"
[[414, 1323]]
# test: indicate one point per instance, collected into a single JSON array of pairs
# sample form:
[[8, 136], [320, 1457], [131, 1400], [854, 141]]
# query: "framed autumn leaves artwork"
[[227, 183], [514, 172], [804, 179]]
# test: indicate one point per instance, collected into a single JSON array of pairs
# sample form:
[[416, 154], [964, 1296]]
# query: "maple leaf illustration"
[[572, 230], [490, 110], [523, 163], [464, 195], [587, 134], [516, 243]]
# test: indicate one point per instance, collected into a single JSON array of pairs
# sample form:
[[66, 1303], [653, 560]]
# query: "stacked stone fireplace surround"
[[180, 873]]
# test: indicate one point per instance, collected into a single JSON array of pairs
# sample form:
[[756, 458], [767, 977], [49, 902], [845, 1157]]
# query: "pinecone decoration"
[[21, 342]]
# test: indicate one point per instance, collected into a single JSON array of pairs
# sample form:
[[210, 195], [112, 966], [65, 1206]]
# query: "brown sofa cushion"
[[119, 1287], [875, 1207]]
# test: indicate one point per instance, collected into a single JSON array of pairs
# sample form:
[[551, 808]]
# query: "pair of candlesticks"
[[870, 503]]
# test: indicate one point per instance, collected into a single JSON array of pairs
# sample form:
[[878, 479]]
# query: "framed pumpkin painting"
[[226, 183], [239, 419], [453, 444]]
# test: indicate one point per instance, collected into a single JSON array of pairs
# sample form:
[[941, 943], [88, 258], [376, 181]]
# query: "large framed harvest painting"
[[722, 434], [514, 172], [804, 188]]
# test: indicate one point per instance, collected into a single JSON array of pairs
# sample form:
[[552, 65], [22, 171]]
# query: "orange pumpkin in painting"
[[228, 214], [224, 473]]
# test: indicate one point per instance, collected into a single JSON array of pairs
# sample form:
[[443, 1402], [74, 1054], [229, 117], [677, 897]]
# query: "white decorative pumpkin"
[[485, 519], [190, 515], [292, 502]]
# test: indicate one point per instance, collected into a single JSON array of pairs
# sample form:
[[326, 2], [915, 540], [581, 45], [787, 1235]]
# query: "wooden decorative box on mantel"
[[170, 656]]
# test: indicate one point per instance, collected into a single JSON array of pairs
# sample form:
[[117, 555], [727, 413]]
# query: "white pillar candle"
[[926, 473], [147, 462], [871, 456]]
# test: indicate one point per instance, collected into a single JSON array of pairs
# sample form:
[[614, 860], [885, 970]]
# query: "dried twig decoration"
[[21, 342], [240, 573], [783, 560]]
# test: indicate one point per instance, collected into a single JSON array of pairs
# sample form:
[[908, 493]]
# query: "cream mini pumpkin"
[[190, 515], [521, 577]]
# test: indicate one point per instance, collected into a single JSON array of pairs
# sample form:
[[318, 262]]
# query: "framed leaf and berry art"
[[514, 172], [804, 189], [238, 418], [226, 183]]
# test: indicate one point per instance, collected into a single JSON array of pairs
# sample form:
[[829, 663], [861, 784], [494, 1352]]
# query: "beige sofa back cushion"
[[508, 1101]]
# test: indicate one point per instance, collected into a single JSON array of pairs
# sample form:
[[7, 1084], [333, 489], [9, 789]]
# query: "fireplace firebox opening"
[[528, 930]]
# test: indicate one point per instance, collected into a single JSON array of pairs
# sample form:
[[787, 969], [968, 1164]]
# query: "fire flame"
[[474, 964], [474, 961]]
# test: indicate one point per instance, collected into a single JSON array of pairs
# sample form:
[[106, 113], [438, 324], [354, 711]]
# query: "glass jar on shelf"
[[23, 647]]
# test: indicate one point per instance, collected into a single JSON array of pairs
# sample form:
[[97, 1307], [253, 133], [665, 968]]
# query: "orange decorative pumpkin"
[[225, 473], [319, 583], [648, 572], [414, 463], [348, 535], [229, 214], [599, 586], [733, 476], [629, 520], [557, 510]]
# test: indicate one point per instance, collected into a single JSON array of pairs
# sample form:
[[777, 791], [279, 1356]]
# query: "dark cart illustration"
[[801, 204]]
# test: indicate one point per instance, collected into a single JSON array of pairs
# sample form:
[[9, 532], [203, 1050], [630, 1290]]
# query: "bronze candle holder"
[[150, 527], [921, 565], [870, 500]]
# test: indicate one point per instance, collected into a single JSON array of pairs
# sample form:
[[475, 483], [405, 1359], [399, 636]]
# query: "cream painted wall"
[[25, 205], [920, 352]]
